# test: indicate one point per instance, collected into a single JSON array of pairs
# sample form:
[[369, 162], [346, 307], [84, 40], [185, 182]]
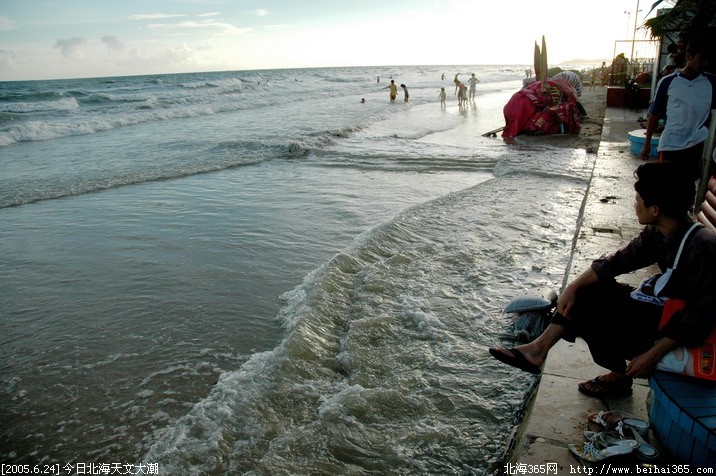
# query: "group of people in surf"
[[394, 91], [461, 91]]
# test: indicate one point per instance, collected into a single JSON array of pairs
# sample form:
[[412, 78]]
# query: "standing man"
[[393, 90], [473, 83], [603, 71], [684, 100]]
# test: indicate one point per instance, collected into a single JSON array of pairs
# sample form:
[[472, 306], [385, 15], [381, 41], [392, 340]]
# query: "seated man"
[[618, 327]]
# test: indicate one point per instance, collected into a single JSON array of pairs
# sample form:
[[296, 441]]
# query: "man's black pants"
[[616, 327]]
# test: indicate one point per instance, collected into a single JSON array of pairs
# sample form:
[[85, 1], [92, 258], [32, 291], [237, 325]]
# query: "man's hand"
[[646, 150], [642, 365], [569, 295], [651, 124], [566, 300]]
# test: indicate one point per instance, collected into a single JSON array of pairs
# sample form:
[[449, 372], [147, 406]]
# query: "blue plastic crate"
[[683, 417]]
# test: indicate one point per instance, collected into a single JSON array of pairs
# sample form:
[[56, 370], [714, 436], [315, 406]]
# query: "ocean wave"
[[102, 105], [146, 111], [145, 108], [40, 130], [232, 83], [266, 151], [411, 159], [339, 80], [297, 149], [58, 105], [563, 164], [32, 191], [384, 348], [296, 391], [96, 98], [29, 95], [223, 155]]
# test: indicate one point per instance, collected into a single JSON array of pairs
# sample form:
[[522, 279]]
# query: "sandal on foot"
[[593, 452], [599, 388], [517, 359], [610, 420]]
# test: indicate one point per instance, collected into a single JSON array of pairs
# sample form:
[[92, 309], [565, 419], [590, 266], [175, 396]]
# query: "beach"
[[232, 273]]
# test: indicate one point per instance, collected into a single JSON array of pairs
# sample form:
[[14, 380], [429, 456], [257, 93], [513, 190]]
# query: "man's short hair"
[[667, 186], [702, 44]]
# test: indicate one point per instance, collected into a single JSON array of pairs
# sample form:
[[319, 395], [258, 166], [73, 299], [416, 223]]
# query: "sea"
[[274, 272]]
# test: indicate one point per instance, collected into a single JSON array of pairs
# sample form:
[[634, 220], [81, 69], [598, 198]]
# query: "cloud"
[[71, 48], [276, 27], [113, 43], [154, 16], [8, 59], [172, 59], [181, 54], [181, 27], [6, 24], [259, 12]]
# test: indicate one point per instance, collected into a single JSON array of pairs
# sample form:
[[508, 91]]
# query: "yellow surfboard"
[[543, 62]]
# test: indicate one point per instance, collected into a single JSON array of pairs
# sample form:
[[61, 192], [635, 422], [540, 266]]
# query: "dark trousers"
[[689, 159], [616, 327]]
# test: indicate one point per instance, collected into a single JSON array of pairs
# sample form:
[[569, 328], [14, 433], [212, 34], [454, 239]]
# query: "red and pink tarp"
[[548, 107]]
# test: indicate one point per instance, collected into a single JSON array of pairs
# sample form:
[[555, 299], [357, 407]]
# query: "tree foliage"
[[690, 18]]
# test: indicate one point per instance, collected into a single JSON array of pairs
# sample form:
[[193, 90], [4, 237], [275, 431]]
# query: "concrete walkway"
[[556, 414]]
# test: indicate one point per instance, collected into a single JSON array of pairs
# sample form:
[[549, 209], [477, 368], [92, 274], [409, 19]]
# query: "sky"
[[52, 39]]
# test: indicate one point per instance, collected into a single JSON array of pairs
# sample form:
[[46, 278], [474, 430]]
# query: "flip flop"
[[517, 359], [625, 435], [610, 421], [644, 451], [610, 438], [600, 389], [594, 452]]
